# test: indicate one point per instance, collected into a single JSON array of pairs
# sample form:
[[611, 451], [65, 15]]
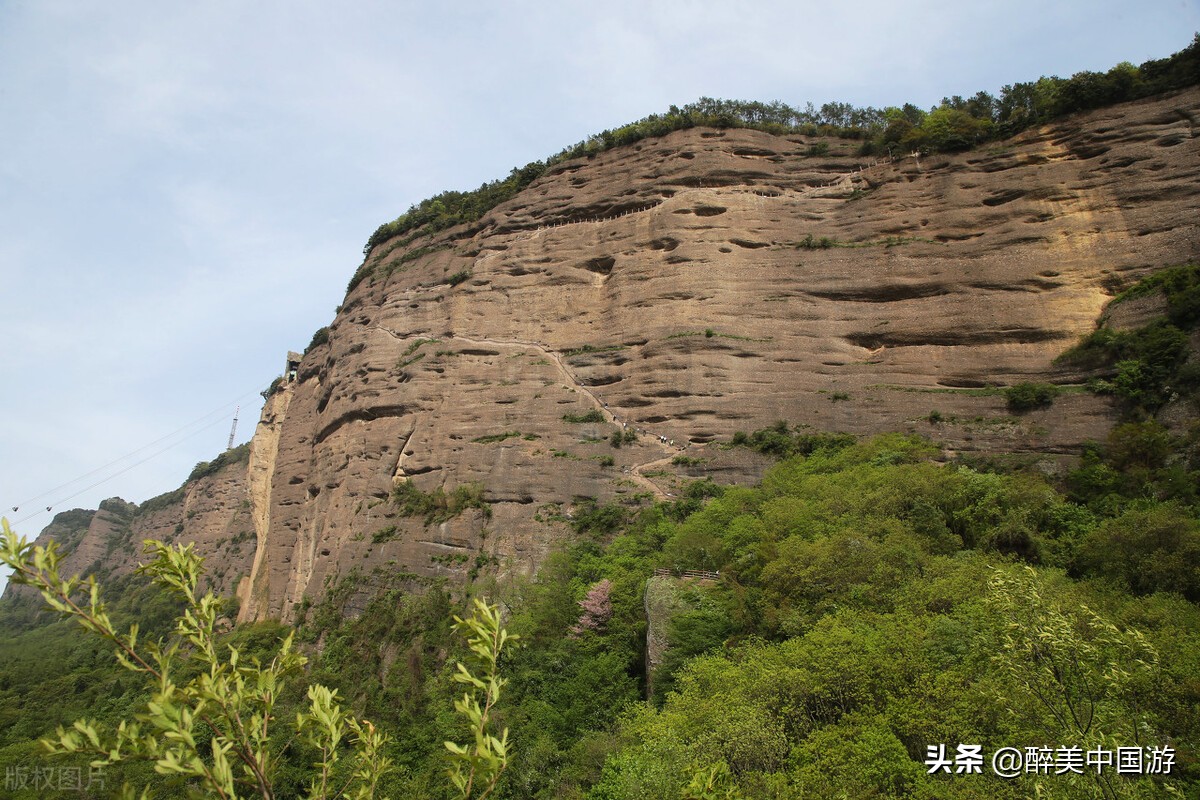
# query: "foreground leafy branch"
[[477, 767], [214, 728]]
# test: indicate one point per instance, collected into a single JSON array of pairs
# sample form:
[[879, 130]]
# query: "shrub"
[[384, 535], [320, 337], [161, 501], [778, 441], [809, 242], [495, 437], [193, 724], [273, 388], [438, 505], [458, 277], [1153, 550], [1028, 396], [234, 455], [599, 520], [594, 415]]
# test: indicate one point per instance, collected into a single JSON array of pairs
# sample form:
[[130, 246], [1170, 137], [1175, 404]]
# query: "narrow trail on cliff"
[[635, 472]]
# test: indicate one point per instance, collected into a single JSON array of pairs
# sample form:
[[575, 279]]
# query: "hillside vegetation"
[[871, 604], [955, 124]]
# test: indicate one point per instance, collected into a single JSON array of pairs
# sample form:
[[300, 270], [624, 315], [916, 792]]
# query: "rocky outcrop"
[[212, 512], [679, 290], [695, 285]]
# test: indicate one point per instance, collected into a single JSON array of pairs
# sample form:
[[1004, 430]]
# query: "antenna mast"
[[233, 430]]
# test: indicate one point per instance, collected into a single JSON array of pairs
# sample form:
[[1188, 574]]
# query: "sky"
[[185, 188]]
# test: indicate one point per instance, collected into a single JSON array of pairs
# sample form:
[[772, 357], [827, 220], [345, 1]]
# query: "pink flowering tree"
[[597, 609]]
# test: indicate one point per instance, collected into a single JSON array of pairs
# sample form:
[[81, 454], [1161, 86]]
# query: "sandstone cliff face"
[[680, 289], [212, 512]]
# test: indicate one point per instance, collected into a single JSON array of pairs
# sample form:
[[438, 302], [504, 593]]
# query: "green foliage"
[[777, 440], [235, 455], [947, 129], [167, 499], [477, 767], [384, 534], [438, 506], [496, 437], [275, 386], [1075, 674], [208, 717], [870, 602], [1146, 551], [319, 337], [453, 208], [1180, 287], [458, 277], [811, 243], [599, 520], [415, 346], [1143, 365], [1148, 366], [1139, 461], [713, 783], [591, 415], [408, 362], [1023, 397]]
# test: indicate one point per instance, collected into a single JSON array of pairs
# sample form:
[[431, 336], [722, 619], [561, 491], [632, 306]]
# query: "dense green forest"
[[872, 602], [955, 124]]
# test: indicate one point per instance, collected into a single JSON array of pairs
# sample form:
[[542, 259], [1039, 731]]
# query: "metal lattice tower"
[[233, 429]]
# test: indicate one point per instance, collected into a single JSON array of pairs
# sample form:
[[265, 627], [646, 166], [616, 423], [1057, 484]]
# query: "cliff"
[[212, 510], [683, 289]]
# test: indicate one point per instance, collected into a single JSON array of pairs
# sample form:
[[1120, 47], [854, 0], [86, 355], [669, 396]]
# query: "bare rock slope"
[[698, 284], [212, 513], [685, 288]]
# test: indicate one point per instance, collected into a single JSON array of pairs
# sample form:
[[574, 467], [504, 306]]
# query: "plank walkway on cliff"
[[635, 472]]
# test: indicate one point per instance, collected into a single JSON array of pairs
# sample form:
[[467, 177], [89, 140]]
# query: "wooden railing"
[[701, 574]]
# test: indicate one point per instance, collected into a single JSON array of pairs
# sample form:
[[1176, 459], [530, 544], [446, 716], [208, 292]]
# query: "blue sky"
[[185, 188]]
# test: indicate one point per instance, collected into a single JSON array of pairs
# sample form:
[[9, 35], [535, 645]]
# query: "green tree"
[[209, 715], [1075, 673], [477, 767]]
